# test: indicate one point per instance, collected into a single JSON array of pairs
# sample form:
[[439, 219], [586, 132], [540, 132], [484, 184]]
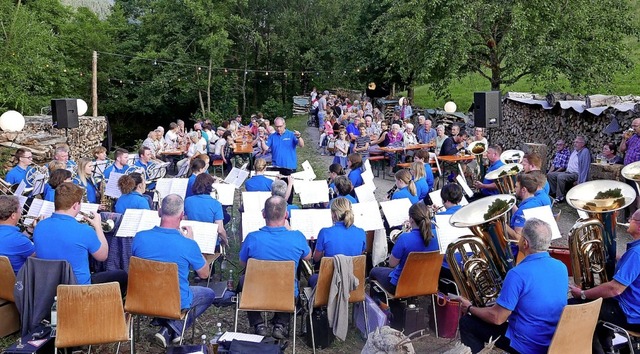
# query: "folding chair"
[[90, 314], [268, 286], [419, 277], [575, 328], [628, 334], [10, 320], [154, 290], [325, 276]]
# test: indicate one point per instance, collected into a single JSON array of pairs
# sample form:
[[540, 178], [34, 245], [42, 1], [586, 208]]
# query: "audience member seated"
[[560, 158], [577, 170], [13, 244], [610, 154], [451, 145], [166, 243]]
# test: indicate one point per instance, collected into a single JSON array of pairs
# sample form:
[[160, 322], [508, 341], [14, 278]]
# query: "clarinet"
[[391, 191]]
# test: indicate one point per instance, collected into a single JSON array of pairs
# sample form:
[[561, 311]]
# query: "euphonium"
[[505, 177], [491, 256], [592, 241], [478, 148]]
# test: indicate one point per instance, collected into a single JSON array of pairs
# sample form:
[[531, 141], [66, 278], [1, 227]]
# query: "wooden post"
[[94, 84]]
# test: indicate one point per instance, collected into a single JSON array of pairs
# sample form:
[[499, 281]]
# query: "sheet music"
[[236, 177], [39, 207], [135, 220], [100, 166], [545, 214], [316, 192], [112, 190], [436, 199], [166, 186], [22, 200], [310, 221], [367, 173], [204, 233], [300, 185], [20, 188], [367, 216], [365, 193], [88, 208], [229, 336], [226, 193], [251, 221], [448, 233], [254, 201], [396, 211], [306, 166], [306, 175], [38, 184], [464, 185]]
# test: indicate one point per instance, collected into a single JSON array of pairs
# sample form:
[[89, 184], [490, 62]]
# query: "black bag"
[[244, 347], [40, 341], [188, 349], [323, 334]]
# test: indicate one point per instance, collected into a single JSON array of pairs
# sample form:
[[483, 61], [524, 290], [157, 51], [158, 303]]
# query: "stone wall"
[[41, 138], [525, 123]]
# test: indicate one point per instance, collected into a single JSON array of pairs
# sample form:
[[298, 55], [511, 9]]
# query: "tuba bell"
[[505, 177], [592, 241], [481, 272], [512, 156]]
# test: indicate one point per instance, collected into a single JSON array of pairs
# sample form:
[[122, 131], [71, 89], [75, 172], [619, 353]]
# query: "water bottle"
[[230, 286], [216, 337], [223, 264], [54, 312], [204, 342]]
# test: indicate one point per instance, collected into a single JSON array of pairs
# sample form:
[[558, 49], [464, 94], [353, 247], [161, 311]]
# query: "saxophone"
[[105, 200]]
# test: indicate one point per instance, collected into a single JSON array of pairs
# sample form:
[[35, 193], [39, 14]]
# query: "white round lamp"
[[11, 121], [450, 107], [82, 107]]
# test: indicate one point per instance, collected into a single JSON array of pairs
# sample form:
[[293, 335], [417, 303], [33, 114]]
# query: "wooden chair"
[[154, 290], [268, 286], [90, 314], [7, 279], [9, 316], [419, 277], [325, 276], [578, 319]]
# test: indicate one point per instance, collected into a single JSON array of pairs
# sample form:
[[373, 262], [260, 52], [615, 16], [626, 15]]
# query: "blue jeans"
[[202, 298]]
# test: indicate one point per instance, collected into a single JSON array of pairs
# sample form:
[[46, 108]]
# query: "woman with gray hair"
[[440, 138]]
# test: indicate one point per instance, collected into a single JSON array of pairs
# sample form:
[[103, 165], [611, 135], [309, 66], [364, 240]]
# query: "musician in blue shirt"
[[62, 154], [259, 183], [283, 145], [488, 187], [144, 161], [56, 178], [526, 186], [19, 172], [119, 165], [196, 167], [406, 187], [344, 189], [354, 162], [85, 180], [423, 157], [132, 186], [417, 171], [201, 206], [13, 244]]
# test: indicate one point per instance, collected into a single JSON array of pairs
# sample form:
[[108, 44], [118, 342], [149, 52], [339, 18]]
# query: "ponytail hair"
[[420, 215], [405, 176], [341, 208]]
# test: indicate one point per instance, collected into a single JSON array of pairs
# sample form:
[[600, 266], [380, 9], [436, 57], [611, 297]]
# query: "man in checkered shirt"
[[561, 159]]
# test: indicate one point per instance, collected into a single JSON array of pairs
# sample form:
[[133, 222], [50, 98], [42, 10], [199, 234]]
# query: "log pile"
[[523, 123], [41, 138], [301, 104]]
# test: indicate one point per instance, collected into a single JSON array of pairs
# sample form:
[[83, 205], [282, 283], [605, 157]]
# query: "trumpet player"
[[19, 172], [62, 237], [13, 244], [532, 298]]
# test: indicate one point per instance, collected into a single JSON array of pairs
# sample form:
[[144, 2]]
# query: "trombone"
[[107, 225]]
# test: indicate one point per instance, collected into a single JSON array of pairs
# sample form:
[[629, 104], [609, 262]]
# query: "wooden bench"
[[215, 164], [377, 162]]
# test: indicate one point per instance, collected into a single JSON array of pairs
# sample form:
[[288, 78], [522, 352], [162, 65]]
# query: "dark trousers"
[[285, 172], [474, 333], [119, 276], [381, 274]]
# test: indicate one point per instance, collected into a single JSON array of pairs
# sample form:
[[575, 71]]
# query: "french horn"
[[505, 177], [592, 241]]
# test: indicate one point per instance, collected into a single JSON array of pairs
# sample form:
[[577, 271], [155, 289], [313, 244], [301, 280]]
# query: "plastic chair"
[[90, 314], [154, 290], [576, 319], [419, 277], [325, 276], [268, 286]]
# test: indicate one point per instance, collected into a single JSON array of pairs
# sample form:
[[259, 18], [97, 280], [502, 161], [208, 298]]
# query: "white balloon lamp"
[[82, 107], [11, 121], [450, 107]]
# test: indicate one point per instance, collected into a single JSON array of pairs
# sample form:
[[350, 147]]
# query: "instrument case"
[[323, 334], [375, 316]]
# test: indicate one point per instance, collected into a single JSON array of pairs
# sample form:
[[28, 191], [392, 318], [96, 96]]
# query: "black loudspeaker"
[[487, 111], [65, 113]]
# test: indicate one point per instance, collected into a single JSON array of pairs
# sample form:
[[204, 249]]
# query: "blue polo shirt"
[[275, 244], [422, 187], [428, 176], [449, 211], [113, 168], [404, 193], [628, 274], [355, 176], [138, 163], [348, 196], [517, 219], [91, 190], [15, 246], [535, 291], [352, 129], [17, 175], [496, 165], [169, 245], [409, 242], [49, 193], [283, 149], [61, 237], [543, 196], [339, 239], [190, 183], [258, 183], [133, 200], [203, 207]]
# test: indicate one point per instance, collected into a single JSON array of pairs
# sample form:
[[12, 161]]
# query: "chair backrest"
[[580, 318], [90, 314], [419, 275], [325, 276], [153, 289], [7, 279], [268, 286]]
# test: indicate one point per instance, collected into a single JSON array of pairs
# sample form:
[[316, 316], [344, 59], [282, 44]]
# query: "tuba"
[[478, 148], [486, 256], [592, 241], [505, 177], [512, 156]]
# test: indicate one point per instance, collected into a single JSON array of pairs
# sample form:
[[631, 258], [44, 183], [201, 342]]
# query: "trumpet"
[[107, 225]]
